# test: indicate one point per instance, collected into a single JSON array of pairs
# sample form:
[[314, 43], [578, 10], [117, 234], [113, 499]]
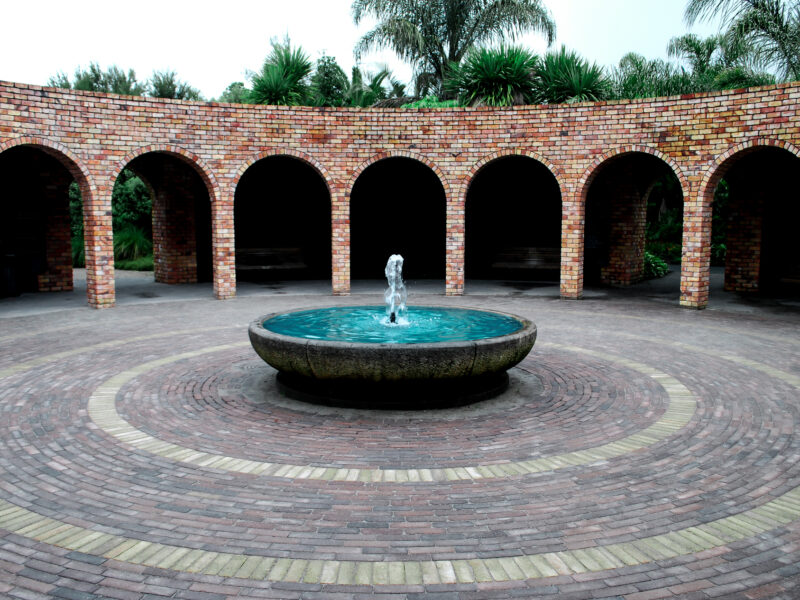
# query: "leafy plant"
[[131, 243], [432, 102], [564, 76], [770, 27], [501, 76], [329, 83], [94, 79], [235, 93], [165, 84], [654, 267], [283, 79], [145, 263], [433, 35]]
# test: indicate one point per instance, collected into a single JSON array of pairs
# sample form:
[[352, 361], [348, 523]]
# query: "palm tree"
[[434, 34], [501, 76], [283, 79], [771, 27]]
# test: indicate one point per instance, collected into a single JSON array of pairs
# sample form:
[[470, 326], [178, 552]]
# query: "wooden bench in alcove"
[[269, 259], [526, 258]]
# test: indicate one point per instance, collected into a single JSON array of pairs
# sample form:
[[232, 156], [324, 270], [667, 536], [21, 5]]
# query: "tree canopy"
[[771, 28], [434, 34]]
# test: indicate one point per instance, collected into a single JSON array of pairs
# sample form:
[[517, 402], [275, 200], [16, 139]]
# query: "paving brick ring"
[[228, 488]]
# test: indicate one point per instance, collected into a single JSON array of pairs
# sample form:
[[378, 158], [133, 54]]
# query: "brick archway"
[[527, 248], [758, 251], [584, 182], [436, 241], [192, 159], [397, 154], [98, 251], [302, 156]]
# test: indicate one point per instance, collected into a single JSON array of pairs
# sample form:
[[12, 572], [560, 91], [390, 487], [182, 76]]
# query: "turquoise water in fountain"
[[370, 324]]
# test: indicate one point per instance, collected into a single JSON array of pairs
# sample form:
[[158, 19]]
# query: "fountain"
[[392, 356]]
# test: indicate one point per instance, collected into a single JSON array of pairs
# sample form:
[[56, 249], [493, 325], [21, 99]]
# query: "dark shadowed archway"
[[757, 214], [398, 206], [282, 218], [35, 248], [513, 222], [631, 197], [181, 217]]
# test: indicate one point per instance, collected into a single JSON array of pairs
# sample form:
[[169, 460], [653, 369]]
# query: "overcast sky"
[[213, 43]]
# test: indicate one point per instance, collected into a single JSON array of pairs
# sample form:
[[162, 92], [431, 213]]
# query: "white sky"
[[211, 44]]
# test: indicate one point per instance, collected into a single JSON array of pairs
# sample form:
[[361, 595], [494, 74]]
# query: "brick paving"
[[642, 451]]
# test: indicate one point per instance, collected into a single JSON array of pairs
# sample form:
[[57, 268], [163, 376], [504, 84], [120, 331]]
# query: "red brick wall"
[[96, 135]]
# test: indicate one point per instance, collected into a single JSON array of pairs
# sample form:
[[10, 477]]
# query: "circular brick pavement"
[[641, 452]]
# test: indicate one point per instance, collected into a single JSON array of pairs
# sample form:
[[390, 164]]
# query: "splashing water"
[[396, 294]]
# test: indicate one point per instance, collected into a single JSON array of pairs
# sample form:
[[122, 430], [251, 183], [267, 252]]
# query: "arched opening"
[[398, 206], [755, 214], [177, 219], [282, 222], [35, 233], [513, 222], [634, 222]]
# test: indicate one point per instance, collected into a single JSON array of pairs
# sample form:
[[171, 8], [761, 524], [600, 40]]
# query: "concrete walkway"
[[643, 451]]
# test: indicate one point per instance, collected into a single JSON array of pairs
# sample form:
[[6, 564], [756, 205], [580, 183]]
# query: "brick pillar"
[[340, 242], [696, 251], [223, 247], [98, 240], [573, 225], [174, 242], [58, 247], [745, 224], [628, 208], [454, 246]]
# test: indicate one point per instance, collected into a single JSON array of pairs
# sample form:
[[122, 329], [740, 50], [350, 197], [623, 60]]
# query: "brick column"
[[223, 249], [573, 227], [745, 225], [340, 242], [58, 246], [98, 240], [454, 245], [696, 252], [628, 225]]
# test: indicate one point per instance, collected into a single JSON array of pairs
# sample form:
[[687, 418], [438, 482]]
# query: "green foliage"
[[329, 84], [144, 263], [432, 102], [94, 79], [654, 267], [235, 93], [131, 203], [564, 76], [771, 28], [283, 80], [165, 84], [366, 88], [78, 251], [720, 213], [501, 76], [131, 208], [433, 35], [638, 77], [131, 242]]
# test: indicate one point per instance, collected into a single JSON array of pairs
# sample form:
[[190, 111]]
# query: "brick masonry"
[[697, 136]]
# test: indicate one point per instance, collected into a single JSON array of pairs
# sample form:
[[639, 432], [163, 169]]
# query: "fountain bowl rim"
[[526, 327]]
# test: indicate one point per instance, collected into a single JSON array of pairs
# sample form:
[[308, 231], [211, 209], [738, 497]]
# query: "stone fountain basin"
[[391, 362]]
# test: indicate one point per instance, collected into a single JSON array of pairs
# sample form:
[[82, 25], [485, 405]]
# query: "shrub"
[[654, 267], [501, 76], [131, 242], [431, 102], [144, 263]]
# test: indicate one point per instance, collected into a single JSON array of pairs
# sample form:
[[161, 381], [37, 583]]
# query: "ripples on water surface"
[[370, 324]]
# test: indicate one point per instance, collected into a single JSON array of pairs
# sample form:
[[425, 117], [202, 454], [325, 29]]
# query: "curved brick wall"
[[96, 135]]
